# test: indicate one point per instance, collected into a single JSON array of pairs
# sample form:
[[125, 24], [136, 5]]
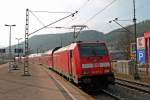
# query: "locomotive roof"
[[49, 51], [35, 55], [69, 47], [73, 45]]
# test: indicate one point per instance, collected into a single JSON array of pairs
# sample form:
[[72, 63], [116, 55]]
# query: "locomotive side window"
[[98, 49]]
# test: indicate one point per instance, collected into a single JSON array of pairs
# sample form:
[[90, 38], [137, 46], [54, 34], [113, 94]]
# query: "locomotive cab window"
[[98, 49]]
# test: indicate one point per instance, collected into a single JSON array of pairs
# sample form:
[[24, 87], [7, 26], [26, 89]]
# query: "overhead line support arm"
[[54, 22]]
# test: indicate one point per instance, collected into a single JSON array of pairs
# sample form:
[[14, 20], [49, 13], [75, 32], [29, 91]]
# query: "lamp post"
[[10, 55], [136, 75]]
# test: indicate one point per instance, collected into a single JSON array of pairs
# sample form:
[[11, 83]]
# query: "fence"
[[128, 68]]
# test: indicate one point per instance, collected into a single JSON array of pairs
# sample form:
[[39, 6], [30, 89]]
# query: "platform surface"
[[38, 86]]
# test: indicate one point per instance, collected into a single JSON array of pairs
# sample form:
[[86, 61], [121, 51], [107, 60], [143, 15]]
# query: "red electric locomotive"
[[83, 63]]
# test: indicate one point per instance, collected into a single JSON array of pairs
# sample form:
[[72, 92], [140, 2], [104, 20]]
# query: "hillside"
[[116, 35], [41, 43]]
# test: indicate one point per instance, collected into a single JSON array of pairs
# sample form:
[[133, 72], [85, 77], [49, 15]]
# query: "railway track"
[[124, 90], [116, 97], [145, 88]]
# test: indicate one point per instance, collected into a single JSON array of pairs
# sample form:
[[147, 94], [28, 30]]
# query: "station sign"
[[140, 43], [141, 56]]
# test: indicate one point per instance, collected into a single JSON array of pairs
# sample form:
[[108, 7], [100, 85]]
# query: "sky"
[[14, 12]]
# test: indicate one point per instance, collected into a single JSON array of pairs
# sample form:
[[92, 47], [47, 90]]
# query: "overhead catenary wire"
[[37, 18], [58, 27], [80, 31], [54, 22], [138, 9], [79, 10], [92, 17], [50, 12]]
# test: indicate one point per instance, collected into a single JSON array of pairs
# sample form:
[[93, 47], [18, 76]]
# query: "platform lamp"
[[10, 55]]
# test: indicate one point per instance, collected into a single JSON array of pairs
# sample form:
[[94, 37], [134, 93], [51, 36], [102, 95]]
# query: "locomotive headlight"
[[105, 64]]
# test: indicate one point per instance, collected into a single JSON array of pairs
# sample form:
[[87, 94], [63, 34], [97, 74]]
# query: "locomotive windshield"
[[93, 49]]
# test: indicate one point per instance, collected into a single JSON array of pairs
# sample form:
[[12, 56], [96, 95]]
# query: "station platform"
[[41, 85]]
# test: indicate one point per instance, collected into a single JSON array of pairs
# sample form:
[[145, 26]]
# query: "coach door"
[[70, 62]]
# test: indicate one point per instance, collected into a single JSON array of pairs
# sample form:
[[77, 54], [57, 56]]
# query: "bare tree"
[[123, 44]]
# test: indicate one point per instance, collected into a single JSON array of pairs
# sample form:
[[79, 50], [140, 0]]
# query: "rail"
[[134, 85], [116, 97]]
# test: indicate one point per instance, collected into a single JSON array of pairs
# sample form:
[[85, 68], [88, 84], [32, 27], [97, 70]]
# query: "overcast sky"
[[13, 12]]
